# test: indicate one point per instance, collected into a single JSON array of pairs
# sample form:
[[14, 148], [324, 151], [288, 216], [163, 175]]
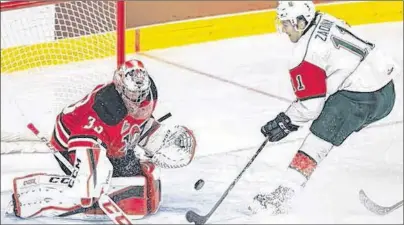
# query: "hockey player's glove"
[[278, 128]]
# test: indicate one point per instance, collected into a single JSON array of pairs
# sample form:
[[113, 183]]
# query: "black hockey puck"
[[199, 184]]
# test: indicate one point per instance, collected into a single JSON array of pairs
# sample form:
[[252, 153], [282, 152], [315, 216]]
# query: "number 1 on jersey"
[[339, 42], [299, 84]]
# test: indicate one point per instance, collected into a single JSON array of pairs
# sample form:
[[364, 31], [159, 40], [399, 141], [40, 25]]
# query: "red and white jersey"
[[329, 57], [102, 119]]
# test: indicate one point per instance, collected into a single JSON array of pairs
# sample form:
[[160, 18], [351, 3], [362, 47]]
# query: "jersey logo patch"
[[125, 126], [131, 138]]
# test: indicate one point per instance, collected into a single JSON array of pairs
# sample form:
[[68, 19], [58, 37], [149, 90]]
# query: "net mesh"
[[51, 56]]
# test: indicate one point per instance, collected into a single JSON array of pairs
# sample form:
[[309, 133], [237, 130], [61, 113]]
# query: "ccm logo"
[[64, 180], [113, 211], [74, 173]]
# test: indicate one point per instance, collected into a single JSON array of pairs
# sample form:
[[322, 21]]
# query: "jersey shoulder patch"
[[109, 105], [308, 81]]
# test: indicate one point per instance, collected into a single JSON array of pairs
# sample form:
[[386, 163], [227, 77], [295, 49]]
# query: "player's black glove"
[[278, 128]]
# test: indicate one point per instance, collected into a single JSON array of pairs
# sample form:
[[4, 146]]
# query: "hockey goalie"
[[100, 136]]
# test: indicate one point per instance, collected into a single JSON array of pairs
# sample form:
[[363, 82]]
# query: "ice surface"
[[224, 91]]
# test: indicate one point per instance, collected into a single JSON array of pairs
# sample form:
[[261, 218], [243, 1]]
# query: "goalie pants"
[[346, 112], [127, 166]]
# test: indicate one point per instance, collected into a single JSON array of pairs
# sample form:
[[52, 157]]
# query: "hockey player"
[[99, 135], [342, 83]]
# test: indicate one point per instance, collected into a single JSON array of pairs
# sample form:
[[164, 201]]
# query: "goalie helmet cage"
[[53, 53]]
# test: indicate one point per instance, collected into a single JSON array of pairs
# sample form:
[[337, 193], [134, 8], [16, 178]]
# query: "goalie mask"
[[133, 84]]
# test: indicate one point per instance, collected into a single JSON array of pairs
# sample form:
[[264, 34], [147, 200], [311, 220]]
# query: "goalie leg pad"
[[152, 174], [130, 194], [140, 195], [136, 196], [42, 195], [91, 174], [46, 195]]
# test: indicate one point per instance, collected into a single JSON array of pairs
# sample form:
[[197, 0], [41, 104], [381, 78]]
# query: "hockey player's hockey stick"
[[375, 208], [193, 217]]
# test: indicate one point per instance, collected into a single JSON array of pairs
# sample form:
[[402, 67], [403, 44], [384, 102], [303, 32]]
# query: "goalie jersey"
[[329, 57], [101, 120]]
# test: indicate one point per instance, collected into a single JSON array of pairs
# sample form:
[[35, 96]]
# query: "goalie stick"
[[376, 208], [161, 119], [193, 217], [107, 205]]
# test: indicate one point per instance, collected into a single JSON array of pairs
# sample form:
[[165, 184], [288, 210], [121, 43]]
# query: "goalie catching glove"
[[168, 146]]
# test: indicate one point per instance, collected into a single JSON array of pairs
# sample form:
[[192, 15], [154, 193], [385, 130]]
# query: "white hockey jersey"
[[329, 57]]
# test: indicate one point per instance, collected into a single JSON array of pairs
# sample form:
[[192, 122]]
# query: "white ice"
[[225, 90]]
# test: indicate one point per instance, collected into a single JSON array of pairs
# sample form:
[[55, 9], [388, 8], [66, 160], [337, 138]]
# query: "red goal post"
[[120, 19]]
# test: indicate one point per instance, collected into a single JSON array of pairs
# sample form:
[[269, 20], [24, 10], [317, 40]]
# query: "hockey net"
[[52, 54]]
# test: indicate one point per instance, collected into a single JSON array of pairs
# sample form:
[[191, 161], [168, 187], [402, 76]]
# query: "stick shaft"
[[203, 219]]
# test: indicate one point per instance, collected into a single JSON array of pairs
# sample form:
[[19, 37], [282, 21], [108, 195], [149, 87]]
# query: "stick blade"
[[193, 217], [375, 208]]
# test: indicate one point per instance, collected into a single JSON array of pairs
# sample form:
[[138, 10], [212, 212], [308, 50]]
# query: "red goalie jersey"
[[102, 120]]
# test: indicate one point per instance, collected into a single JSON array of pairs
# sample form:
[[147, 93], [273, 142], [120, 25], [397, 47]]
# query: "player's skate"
[[276, 202]]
